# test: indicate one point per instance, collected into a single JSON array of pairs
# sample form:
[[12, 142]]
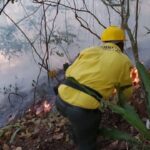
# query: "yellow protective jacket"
[[101, 68]]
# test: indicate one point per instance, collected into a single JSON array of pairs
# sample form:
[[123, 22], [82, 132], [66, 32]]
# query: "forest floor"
[[42, 130]]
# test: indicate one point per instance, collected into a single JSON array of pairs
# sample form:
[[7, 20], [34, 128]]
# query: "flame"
[[135, 80], [134, 76], [114, 91], [47, 107], [42, 108]]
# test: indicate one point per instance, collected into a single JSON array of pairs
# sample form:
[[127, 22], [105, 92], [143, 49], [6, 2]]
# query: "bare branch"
[[4, 6], [148, 30], [92, 14], [86, 27], [46, 36], [82, 22], [136, 19], [54, 4], [28, 15], [107, 5], [23, 34], [108, 15], [133, 43], [53, 24], [47, 40], [110, 3]]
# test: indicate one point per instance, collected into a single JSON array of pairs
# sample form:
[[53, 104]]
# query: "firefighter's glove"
[[52, 73], [65, 66], [55, 88]]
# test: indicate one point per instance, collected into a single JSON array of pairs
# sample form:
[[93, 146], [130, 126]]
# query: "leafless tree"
[[46, 31], [121, 7], [124, 12]]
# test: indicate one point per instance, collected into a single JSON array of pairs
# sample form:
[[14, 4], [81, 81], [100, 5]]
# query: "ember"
[[114, 92], [44, 107]]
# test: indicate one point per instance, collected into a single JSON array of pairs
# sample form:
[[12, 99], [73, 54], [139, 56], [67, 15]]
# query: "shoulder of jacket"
[[111, 47], [90, 49], [127, 60]]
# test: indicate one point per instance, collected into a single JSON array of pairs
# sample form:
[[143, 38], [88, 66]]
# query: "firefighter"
[[94, 75]]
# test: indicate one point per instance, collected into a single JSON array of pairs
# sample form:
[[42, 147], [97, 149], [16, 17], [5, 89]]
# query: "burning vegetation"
[[43, 128], [134, 76]]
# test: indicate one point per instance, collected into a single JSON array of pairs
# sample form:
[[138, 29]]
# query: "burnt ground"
[[51, 131]]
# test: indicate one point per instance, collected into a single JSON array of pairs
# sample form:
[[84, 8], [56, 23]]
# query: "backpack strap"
[[71, 82]]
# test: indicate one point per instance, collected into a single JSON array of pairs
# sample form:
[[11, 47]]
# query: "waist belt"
[[70, 81]]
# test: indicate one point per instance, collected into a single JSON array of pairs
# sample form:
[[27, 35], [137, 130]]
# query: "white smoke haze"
[[22, 69], [24, 66]]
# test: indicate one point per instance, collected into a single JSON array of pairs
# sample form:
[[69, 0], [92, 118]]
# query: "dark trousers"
[[85, 123]]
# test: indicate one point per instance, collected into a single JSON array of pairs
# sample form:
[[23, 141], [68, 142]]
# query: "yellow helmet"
[[113, 33]]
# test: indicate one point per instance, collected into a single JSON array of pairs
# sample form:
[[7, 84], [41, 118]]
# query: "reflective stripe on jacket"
[[100, 68]]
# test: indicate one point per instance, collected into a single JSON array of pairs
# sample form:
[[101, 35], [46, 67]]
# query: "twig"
[[2, 130], [28, 15], [136, 19], [4, 6], [109, 3], [14, 94], [14, 135], [24, 35], [86, 27], [72, 8]]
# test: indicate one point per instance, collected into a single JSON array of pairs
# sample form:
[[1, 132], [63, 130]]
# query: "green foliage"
[[130, 115], [145, 78], [115, 134]]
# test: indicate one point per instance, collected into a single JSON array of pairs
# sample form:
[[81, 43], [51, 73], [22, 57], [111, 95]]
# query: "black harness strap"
[[70, 81], [125, 87]]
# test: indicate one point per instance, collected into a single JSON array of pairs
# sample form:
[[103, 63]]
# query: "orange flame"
[[46, 106], [114, 91], [134, 76]]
